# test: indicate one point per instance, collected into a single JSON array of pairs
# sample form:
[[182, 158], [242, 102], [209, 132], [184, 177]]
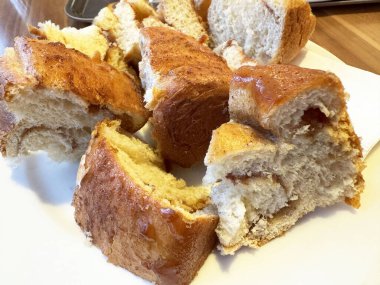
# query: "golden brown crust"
[[298, 28], [190, 98], [134, 230], [183, 122], [169, 49], [244, 139], [56, 67], [269, 88]]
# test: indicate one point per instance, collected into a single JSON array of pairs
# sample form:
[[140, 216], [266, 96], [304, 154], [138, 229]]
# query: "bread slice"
[[56, 95], [269, 31], [88, 40], [142, 218], [264, 179], [183, 17], [234, 55], [187, 89]]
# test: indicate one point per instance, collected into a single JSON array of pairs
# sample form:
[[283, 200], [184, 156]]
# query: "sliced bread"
[[142, 218], [300, 153], [55, 96]]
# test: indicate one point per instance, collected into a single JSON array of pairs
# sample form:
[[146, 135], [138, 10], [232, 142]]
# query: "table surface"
[[352, 33]]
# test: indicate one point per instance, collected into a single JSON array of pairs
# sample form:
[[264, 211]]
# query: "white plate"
[[41, 244]]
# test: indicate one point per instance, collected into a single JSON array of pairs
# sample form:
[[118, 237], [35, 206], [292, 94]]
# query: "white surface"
[[41, 244]]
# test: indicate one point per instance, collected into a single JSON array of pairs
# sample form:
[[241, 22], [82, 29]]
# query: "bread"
[[183, 17], [93, 41], [154, 22], [142, 218], [269, 31], [122, 22], [289, 92], [56, 95], [107, 21], [187, 89], [234, 55], [266, 176], [88, 40], [201, 6]]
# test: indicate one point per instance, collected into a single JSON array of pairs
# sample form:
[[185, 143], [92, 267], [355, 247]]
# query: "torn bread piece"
[[56, 95], [88, 40], [141, 217], [183, 17], [234, 55], [187, 90], [268, 31], [122, 22], [264, 179]]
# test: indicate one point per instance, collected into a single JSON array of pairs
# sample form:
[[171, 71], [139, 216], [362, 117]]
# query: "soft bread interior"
[[50, 120], [254, 187], [234, 55], [183, 17], [88, 40], [256, 25], [145, 168]]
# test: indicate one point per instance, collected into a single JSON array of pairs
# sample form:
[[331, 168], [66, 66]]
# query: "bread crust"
[[258, 93], [134, 230], [299, 25], [245, 139], [190, 96], [183, 122], [53, 66], [184, 51]]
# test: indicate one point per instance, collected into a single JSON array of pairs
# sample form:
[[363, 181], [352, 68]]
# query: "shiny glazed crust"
[[53, 66], [265, 90], [134, 230]]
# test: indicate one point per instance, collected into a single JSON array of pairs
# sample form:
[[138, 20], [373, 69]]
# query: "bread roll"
[[56, 95], [268, 31], [142, 218], [302, 153], [187, 89]]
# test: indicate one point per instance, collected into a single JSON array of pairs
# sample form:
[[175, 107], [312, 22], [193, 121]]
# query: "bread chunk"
[[56, 95], [88, 40], [269, 31], [266, 176], [187, 90], [122, 22], [276, 97], [142, 218], [183, 17]]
